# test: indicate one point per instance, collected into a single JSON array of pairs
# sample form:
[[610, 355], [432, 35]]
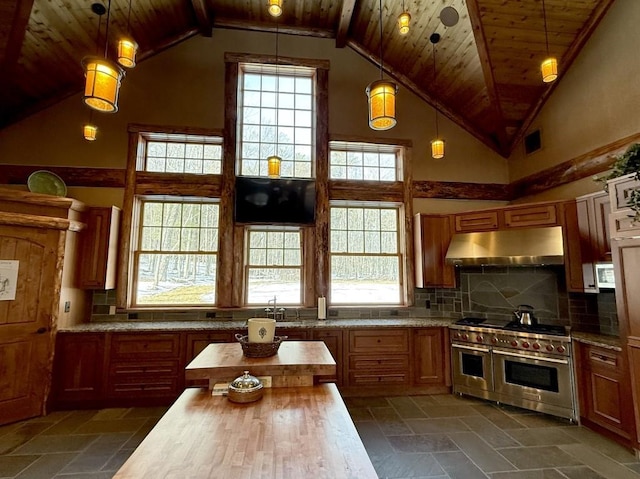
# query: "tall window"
[[175, 261], [180, 157], [358, 161], [274, 266], [276, 115], [366, 259]]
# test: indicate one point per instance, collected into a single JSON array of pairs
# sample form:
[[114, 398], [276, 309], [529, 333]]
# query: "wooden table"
[[296, 363], [297, 432]]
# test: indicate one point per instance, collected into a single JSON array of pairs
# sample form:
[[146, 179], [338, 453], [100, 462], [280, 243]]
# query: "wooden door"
[[26, 337]]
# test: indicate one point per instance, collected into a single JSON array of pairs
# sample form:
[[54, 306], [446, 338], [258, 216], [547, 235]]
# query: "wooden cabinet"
[[604, 393], [332, 338], [476, 221], [196, 342], [431, 357], [100, 248], [78, 373], [378, 357], [622, 222], [293, 334], [432, 235], [144, 367], [530, 216], [595, 244]]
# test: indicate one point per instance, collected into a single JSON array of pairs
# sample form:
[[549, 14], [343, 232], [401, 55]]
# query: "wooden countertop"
[[225, 362], [301, 432]]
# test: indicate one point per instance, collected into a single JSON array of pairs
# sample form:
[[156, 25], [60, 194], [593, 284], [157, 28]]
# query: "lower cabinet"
[[120, 369], [604, 393]]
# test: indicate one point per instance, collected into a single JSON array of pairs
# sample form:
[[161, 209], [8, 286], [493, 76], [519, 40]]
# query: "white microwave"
[[604, 276]]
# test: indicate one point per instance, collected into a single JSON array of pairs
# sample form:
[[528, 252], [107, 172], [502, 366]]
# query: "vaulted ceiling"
[[487, 76]]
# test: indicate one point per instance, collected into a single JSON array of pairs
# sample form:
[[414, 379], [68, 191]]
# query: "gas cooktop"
[[514, 325]]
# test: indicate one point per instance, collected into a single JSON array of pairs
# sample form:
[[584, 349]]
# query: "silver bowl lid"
[[246, 383]]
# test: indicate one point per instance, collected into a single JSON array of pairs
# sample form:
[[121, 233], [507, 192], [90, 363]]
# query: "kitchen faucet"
[[275, 312]]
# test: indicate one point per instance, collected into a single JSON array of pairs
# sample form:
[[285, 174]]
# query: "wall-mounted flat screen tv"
[[275, 200]]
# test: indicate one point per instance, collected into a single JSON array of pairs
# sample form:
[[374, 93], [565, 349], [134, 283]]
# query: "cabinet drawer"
[[621, 224], [143, 387], [377, 341], [539, 215], [597, 358], [480, 221], [144, 368], [370, 363], [373, 378], [145, 345]]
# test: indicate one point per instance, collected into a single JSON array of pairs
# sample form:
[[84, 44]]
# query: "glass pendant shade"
[[127, 50], [102, 85], [549, 69], [89, 132], [273, 166], [403, 23], [437, 149], [382, 104], [275, 8]]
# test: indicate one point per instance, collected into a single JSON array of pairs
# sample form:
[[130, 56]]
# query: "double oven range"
[[524, 366]]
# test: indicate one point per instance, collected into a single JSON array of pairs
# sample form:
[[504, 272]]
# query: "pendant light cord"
[[129, 19], [381, 59], [98, 35], [434, 82], [106, 33], [546, 35], [277, 94]]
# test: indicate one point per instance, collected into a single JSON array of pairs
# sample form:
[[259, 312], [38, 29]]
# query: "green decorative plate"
[[47, 183]]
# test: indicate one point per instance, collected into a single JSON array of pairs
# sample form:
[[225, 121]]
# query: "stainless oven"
[[529, 367], [472, 369], [534, 381]]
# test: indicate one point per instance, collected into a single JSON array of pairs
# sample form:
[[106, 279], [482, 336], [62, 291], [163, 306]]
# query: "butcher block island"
[[295, 430]]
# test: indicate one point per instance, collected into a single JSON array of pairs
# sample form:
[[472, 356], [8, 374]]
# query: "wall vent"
[[532, 142]]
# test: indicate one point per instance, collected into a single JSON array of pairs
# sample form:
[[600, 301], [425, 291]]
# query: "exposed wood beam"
[[17, 13], [346, 14], [205, 24], [461, 191], [409, 84], [583, 166], [72, 176], [271, 28], [565, 63], [487, 70]]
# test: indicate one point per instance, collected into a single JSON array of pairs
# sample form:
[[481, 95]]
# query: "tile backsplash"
[[485, 291]]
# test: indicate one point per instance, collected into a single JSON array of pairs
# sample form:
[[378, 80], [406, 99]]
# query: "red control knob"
[[549, 347], [536, 346], [456, 335], [479, 338], [465, 337], [525, 344], [514, 343], [494, 340], [561, 349]]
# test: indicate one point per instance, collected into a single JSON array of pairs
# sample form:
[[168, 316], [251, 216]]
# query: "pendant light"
[[127, 47], [382, 97], [274, 161], [89, 129], [275, 8], [403, 21], [437, 145], [549, 67], [102, 76]]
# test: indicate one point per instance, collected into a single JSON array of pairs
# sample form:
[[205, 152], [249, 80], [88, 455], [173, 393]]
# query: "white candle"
[[322, 307]]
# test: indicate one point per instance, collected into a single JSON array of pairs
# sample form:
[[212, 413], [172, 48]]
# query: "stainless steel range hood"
[[527, 246]]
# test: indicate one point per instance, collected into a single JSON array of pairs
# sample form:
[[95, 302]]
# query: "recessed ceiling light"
[[449, 16]]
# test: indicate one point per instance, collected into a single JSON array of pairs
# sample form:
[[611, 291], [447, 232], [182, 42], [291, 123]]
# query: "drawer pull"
[[603, 359]]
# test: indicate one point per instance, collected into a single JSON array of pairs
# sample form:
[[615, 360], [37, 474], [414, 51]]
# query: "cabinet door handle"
[[41, 330]]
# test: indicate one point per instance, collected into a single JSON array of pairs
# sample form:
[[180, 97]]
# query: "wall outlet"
[[427, 304], [112, 310], [67, 306], [266, 381]]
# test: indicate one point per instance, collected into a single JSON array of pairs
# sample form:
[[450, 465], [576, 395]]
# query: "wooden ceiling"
[[486, 76]]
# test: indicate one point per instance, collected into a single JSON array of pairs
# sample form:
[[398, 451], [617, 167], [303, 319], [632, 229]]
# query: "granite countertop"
[[600, 340], [222, 325]]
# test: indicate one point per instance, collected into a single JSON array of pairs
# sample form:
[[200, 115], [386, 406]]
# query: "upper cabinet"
[[595, 243], [522, 216], [100, 248], [432, 234], [622, 222], [476, 221]]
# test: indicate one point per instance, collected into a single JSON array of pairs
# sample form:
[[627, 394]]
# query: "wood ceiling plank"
[[205, 24]]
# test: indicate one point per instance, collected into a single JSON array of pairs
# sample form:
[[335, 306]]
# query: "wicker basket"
[[259, 350]]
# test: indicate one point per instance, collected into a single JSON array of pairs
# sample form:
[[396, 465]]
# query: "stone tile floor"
[[440, 436]]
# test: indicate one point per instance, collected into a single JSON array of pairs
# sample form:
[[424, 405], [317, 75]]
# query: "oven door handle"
[[527, 356], [471, 348]]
